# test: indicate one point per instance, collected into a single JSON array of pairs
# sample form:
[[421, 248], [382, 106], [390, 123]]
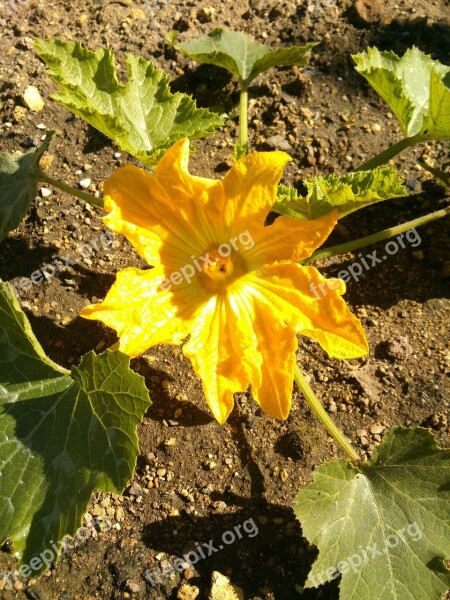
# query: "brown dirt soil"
[[195, 479]]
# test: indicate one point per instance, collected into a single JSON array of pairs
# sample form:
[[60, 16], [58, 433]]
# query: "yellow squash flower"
[[222, 277]]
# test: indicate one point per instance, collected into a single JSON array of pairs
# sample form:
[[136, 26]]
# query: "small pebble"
[[188, 592], [398, 348], [82, 19], [135, 490], [377, 429], [132, 587], [45, 192], [33, 99], [85, 183], [206, 14], [332, 408], [223, 589], [19, 113]]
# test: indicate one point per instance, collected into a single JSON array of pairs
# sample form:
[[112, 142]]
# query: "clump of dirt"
[[195, 480]]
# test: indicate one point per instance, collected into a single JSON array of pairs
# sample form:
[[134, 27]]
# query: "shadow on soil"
[[266, 538]]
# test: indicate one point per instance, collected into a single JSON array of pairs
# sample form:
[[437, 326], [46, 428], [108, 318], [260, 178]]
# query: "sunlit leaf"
[[347, 193], [239, 152], [19, 176], [416, 88], [62, 435], [383, 526], [141, 116], [241, 55]]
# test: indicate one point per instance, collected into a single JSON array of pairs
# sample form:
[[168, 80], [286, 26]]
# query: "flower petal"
[[132, 200], [141, 313], [220, 335], [307, 302], [188, 192], [236, 341], [168, 217], [289, 239], [250, 188], [274, 355]]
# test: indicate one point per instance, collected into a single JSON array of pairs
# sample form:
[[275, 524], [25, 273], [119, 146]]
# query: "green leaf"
[[241, 55], [347, 193], [239, 152], [171, 37], [142, 116], [19, 176], [416, 88], [62, 435], [383, 525]]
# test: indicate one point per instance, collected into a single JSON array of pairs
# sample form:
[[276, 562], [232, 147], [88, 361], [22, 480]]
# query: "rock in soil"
[[223, 589], [188, 592], [369, 11]]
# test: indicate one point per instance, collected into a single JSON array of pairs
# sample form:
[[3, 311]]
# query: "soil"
[[194, 479]]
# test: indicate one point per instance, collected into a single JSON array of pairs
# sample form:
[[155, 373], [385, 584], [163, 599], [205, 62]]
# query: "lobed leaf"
[[19, 176], [241, 55], [142, 116], [416, 88], [62, 435], [347, 193], [383, 525]]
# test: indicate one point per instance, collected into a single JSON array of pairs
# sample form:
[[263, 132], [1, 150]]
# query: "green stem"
[[319, 411], [71, 190], [444, 177], [243, 119], [383, 157], [377, 237]]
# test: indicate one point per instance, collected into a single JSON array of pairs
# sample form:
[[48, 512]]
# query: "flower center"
[[218, 267]]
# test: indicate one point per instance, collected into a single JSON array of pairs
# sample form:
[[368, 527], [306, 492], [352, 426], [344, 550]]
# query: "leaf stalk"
[[386, 155], [377, 237], [243, 119], [71, 190], [321, 414]]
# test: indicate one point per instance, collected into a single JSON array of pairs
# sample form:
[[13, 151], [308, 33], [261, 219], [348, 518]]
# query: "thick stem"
[[383, 157], [70, 190], [243, 119], [377, 237], [319, 411], [444, 177]]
